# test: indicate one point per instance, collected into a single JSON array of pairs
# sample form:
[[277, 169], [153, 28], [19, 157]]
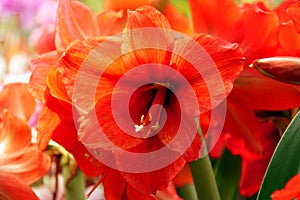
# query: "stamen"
[[155, 126], [138, 128], [142, 118], [150, 117]]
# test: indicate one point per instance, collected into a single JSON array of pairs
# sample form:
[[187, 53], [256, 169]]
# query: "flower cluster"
[[134, 100]]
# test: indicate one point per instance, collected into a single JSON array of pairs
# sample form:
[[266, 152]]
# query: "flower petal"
[[148, 36], [56, 122], [101, 131], [15, 134], [293, 12], [219, 60], [168, 193], [254, 165], [16, 99], [13, 188], [290, 191], [245, 126], [264, 36], [148, 183], [29, 167], [262, 93], [184, 177], [111, 22], [113, 189], [289, 39], [56, 86], [41, 66], [221, 18], [84, 63], [45, 41], [74, 21]]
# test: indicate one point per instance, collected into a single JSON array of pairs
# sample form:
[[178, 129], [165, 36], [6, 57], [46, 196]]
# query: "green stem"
[[74, 182], [204, 179], [187, 192], [203, 174]]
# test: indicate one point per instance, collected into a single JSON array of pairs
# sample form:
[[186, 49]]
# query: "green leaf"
[[227, 172], [285, 162]]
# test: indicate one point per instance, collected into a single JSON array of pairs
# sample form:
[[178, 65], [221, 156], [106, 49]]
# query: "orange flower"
[[21, 163]]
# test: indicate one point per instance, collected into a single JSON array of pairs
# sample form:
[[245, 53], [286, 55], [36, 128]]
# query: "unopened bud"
[[284, 69]]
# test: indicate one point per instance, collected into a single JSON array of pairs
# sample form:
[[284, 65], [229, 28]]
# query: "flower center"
[[150, 123]]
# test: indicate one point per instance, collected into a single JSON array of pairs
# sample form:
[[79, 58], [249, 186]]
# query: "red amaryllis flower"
[[290, 191], [228, 59], [251, 92], [21, 163], [57, 120]]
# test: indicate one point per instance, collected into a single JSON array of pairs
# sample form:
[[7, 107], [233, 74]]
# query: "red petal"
[[114, 185], [148, 37], [56, 122], [168, 193], [221, 18], [15, 134], [65, 134], [261, 93], [148, 183], [291, 190], [293, 12], [17, 100], [74, 21], [41, 65], [184, 177], [93, 137], [13, 188], [84, 63], [264, 36], [245, 126], [226, 61], [137, 195], [254, 165], [289, 38]]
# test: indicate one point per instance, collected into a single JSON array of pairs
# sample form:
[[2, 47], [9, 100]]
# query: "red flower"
[[57, 117], [290, 191], [21, 162], [252, 92]]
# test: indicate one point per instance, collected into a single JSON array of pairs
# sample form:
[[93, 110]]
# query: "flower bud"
[[285, 69]]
